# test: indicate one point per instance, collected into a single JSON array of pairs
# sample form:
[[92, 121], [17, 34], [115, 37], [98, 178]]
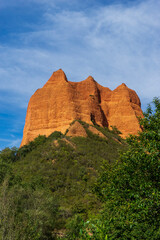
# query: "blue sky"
[[115, 41]]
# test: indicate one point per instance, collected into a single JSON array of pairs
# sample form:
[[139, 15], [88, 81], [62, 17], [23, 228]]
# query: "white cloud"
[[115, 44], [4, 140]]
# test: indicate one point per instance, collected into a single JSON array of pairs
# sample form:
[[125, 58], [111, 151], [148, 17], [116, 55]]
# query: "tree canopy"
[[130, 188]]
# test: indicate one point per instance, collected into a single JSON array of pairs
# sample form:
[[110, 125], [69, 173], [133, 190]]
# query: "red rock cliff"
[[59, 102]]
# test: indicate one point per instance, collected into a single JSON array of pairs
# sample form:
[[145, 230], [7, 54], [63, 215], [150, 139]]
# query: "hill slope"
[[63, 168]]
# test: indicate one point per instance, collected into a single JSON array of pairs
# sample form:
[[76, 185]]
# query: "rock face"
[[59, 102], [76, 130]]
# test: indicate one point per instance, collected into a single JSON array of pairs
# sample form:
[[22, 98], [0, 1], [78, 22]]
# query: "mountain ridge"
[[54, 106]]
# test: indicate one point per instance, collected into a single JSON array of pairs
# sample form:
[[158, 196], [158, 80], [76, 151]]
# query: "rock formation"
[[59, 102], [76, 130]]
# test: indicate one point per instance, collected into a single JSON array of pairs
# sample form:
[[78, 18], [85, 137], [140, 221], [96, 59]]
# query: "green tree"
[[130, 188], [8, 155], [26, 214]]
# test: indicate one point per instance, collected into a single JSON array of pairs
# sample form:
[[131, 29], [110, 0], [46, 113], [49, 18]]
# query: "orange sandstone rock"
[[76, 130], [59, 102], [123, 109]]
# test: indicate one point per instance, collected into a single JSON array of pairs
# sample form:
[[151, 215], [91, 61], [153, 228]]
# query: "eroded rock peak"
[[57, 77], [54, 106]]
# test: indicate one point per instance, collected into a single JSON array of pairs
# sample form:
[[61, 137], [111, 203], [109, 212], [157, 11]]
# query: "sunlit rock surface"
[[59, 102]]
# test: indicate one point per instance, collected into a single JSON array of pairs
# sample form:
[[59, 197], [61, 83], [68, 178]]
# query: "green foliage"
[[115, 130], [40, 140], [81, 230], [46, 186], [47, 189], [5, 169], [26, 214], [130, 188], [8, 155], [55, 135], [74, 226]]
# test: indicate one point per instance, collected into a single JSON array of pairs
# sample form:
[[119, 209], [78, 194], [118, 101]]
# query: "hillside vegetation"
[[83, 188], [129, 190], [48, 183]]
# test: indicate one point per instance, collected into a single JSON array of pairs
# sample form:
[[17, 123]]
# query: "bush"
[[26, 214], [130, 189]]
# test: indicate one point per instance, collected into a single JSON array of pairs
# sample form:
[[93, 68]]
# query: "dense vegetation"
[[47, 184], [129, 189], [79, 188]]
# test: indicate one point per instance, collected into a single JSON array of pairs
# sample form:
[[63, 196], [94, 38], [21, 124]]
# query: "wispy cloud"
[[114, 43], [15, 142], [9, 143]]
